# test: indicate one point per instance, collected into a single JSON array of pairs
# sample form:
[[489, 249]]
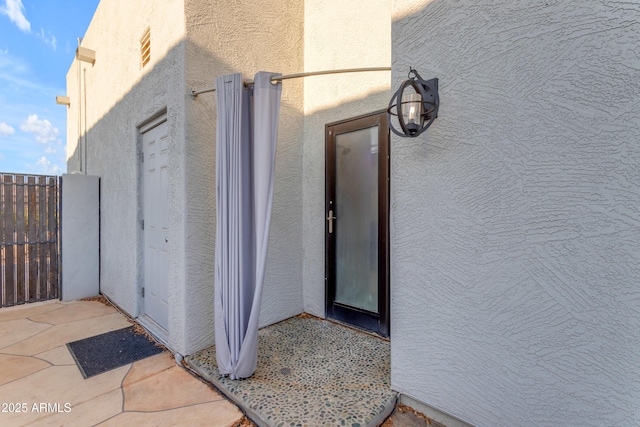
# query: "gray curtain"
[[246, 134]]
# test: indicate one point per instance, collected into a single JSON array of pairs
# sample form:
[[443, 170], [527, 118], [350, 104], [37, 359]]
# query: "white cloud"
[[1, 156], [50, 40], [16, 72], [10, 64], [54, 147], [6, 130], [15, 11], [43, 130], [46, 166]]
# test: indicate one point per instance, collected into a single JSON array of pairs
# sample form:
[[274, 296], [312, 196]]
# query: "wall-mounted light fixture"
[[86, 55], [63, 100], [415, 104]]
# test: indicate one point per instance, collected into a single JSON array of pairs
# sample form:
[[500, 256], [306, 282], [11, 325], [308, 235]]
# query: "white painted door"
[[155, 144]]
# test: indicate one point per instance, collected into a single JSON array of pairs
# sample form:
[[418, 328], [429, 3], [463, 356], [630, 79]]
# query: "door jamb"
[[156, 119], [383, 226]]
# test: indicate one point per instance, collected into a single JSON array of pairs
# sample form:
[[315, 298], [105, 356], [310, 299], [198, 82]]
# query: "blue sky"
[[38, 39]]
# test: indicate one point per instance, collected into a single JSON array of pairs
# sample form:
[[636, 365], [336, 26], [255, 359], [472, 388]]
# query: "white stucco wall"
[[516, 217], [120, 95], [243, 36], [337, 34], [80, 233]]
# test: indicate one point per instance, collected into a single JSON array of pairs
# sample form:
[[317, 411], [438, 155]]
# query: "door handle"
[[330, 218]]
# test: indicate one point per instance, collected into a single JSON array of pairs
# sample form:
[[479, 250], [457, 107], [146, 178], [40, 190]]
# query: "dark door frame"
[[376, 322]]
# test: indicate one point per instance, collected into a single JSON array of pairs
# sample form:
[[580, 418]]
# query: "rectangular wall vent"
[[145, 47]]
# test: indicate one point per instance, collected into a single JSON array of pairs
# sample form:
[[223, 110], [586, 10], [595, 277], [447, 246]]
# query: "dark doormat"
[[102, 353]]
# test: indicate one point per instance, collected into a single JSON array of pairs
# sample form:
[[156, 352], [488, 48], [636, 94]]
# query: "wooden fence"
[[29, 243]]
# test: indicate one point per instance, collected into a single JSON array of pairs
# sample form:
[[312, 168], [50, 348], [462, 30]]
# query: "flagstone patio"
[[40, 384], [311, 372]]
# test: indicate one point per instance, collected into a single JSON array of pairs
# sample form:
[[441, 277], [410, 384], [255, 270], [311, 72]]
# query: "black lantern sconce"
[[415, 104]]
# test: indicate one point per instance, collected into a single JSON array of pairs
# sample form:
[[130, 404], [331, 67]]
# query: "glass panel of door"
[[357, 219]]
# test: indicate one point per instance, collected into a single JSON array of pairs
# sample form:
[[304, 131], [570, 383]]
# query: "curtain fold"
[[246, 134]]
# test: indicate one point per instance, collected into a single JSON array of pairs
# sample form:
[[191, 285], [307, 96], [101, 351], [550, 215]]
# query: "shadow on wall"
[[514, 217], [113, 152], [314, 190]]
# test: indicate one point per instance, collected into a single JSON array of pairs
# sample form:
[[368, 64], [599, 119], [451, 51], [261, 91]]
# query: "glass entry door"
[[356, 211]]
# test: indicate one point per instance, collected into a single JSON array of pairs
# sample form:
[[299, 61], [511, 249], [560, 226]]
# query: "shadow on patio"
[[311, 372]]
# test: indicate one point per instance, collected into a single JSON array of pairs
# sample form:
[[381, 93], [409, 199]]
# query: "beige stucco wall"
[[229, 37], [337, 34], [120, 95]]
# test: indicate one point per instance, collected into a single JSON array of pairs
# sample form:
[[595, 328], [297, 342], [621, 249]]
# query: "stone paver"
[[16, 367], [25, 311], [54, 336], [148, 367], [56, 356], [39, 378], [311, 372], [56, 385], [89, 413], [193, 416], [71, 313], [159, 392], [15, 331]]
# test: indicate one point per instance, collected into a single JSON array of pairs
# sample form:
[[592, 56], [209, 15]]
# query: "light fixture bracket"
[[428, 91], [63, 100], [86, 55]]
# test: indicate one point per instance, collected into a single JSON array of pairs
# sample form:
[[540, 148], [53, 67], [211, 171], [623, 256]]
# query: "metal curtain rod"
[[195, 93]]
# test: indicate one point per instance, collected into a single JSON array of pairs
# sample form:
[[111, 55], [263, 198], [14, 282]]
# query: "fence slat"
[[20, 237], [42, 236], [9, 227], [52, 237], [32, 237], [29, 237]]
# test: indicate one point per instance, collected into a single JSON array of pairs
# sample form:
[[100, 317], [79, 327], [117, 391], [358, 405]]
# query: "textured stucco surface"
[[192, 43], [337, 34], [120, 95], [228, 37], [516, 217]]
